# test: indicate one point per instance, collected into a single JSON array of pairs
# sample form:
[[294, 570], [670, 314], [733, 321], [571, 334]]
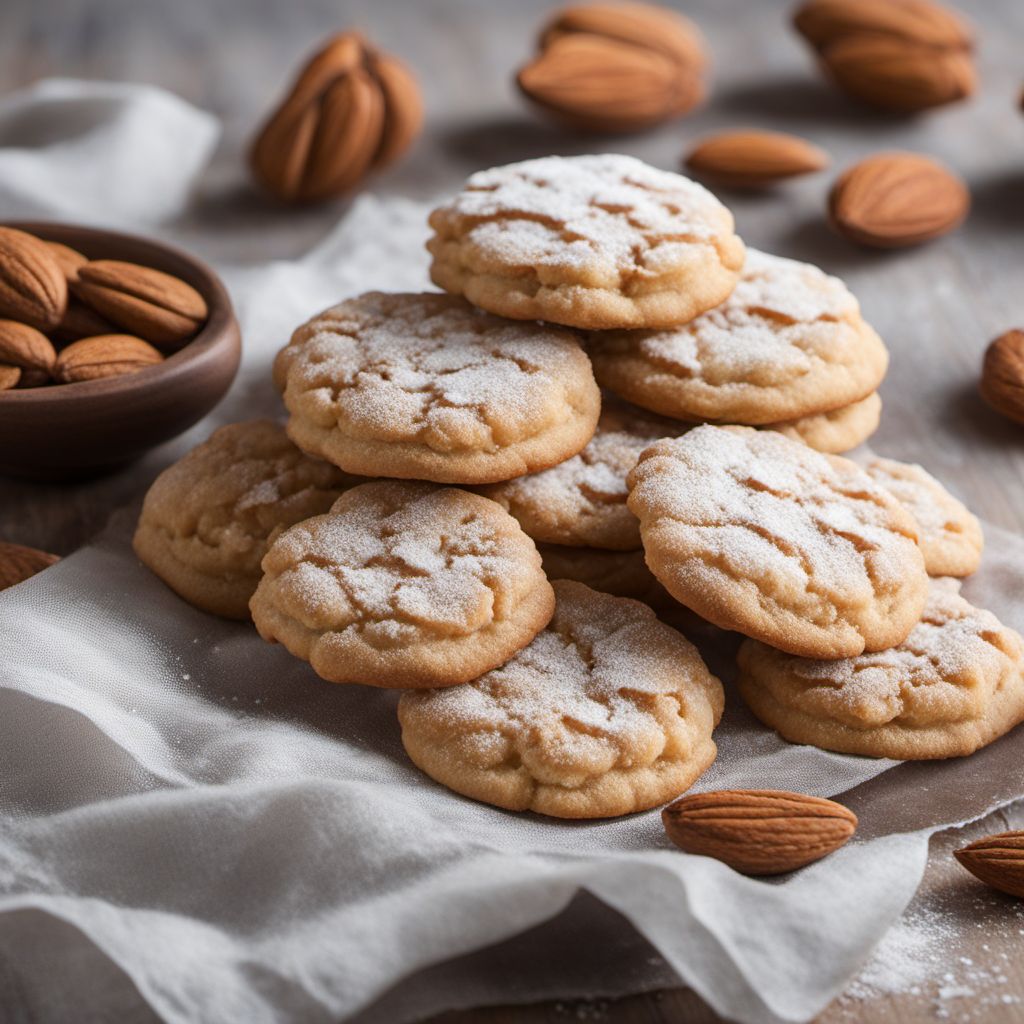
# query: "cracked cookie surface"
[[424, 386], [761, 534], [589, 241], [582, 501], [404, 585], [952, 686], [607, 712], [207, 519], [788, 342], [951, 536]]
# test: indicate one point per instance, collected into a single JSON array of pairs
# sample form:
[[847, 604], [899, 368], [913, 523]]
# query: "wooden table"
[[937, 307]]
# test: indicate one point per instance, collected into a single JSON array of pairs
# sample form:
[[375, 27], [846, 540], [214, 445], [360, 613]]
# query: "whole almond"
[[26, 348], [18, 563], [109, 355], [351, 110], [758, 832], [616, 67], [149, 303], [822, 22], [69, 260], [896, 75], [754, 159], [897, 199], [1002, 375], [997, 861], [32, 286], [9, 377]]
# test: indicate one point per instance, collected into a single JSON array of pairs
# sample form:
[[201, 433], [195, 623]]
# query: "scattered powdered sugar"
[[607, 212], [781, 319], [431, 368]]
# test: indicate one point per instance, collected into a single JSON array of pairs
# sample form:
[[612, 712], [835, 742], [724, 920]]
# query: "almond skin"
[[149, 303], [69, 260], [80, 321], [616, 67], [997, 861], [18, 563], [1002, 375], [33, 289], [755, 159], [26, 348], [351, 110], [897, 199], [108, 355], [758, 832], [9, 377], [822, 22]]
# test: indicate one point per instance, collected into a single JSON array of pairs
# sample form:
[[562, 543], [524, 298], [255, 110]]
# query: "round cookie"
[[424, 386], [951, 536], [403, 585], [587, 241], [761, 534], [788, 342], [952, 686], [207, 519], [607, 712], [582, 501], [837, 431]]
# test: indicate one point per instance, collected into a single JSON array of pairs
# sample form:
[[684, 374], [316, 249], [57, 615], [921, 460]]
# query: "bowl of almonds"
[[109, 345]]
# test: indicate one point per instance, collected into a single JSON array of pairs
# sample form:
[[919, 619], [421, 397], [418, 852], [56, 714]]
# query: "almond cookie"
[[207, 519], [765, 536], [424, 386], [788, 342], [951, 536], [582, 501], [607, 712], [587, 241], [838, 431], [952, 686], [403, 585]]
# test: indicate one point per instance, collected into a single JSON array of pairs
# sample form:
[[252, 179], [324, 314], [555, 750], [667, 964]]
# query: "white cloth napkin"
[[192, 824]]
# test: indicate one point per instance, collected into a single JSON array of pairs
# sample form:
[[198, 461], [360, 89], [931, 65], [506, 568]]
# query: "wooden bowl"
[[75, 431]]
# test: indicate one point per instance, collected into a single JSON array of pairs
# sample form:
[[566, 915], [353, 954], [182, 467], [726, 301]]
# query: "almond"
[[997, 861], [108, 355], [897, 199], [9, 377], [26, 348], [69, 260], [900, 76], [18, 563], [903, 55], [758, 832], [753, 159], [80, 321], [32, 287], [614, 68], [156, 306], [822, 22], [351, 110], [1002, 375]]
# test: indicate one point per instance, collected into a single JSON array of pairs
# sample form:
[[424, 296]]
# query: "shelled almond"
[[53, 298]]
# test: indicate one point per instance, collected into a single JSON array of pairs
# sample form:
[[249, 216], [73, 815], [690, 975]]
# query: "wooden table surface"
[[937, 306]]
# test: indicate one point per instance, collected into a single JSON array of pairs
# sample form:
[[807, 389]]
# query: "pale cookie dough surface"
[[951, 536], [788, 342], [837, 431], [587, 241], [582, 501], [207, 519], [765, 536], [404, 585], [952, 686], [607, 712], [424, 386]]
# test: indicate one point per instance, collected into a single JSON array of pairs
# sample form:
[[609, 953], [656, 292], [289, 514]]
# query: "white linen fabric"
[[194, 827]]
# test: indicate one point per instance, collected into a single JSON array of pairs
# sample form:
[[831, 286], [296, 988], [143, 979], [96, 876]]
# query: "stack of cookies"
[[455, 509]]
